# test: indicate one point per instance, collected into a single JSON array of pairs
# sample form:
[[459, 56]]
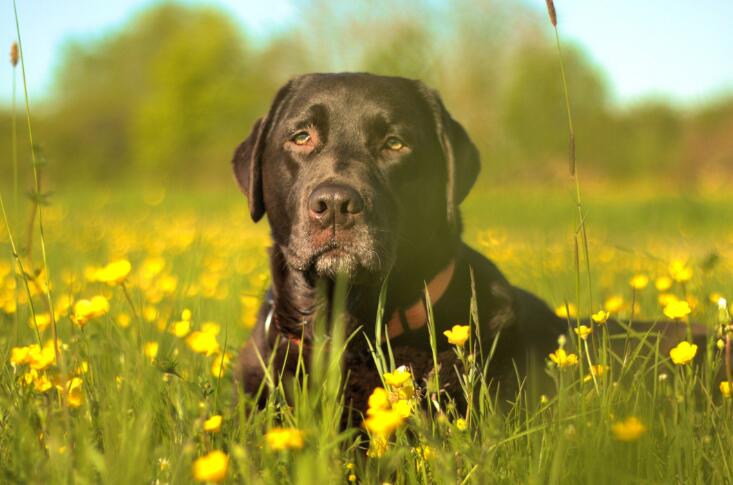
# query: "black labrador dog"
[[361, 176]]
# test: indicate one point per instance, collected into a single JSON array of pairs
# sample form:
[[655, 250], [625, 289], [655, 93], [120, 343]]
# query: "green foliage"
[[141, 420], [170, 94]]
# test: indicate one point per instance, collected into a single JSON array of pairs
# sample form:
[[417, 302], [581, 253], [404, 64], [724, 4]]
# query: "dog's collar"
[[416, 316], [402, 320], [268, 326]]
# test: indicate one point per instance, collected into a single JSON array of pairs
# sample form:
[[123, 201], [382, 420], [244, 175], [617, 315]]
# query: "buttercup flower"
[[378, 400], [663, 283], [220, 364], [613, 304], [583, 331], [683, 353], [600, 317], [43, 320], [279, 439], [726, 389], [680, 271], [383, 423], [40, 358], [639, 281], [630, 429], [114, 273], [566, 311], [562, 359], [595, 370], [213, 424], [203, 343], [677, 309], [85, 310], [461, 424], [150, 349], [212, 467], [74, 393], [403, 407], [458, 334], [399, 377]]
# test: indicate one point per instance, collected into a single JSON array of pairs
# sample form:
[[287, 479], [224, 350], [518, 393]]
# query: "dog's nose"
[[331, 203]]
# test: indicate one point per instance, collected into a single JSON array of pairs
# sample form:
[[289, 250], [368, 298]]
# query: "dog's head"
[[354, 169]]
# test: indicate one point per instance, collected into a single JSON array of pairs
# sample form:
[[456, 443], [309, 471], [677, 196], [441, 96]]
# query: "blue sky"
[[677, 49]]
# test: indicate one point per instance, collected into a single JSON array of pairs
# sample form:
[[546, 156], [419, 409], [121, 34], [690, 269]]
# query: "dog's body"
[[361, 176]]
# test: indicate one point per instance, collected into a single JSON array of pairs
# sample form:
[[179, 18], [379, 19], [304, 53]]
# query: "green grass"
[[141, 421]]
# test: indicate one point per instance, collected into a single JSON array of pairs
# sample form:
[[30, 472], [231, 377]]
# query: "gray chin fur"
[[341, 263]]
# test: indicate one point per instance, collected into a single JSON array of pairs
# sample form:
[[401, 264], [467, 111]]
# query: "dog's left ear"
[[461, 155], [247, 161]]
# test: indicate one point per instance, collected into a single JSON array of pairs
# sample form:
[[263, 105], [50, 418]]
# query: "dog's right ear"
[[247, 160]]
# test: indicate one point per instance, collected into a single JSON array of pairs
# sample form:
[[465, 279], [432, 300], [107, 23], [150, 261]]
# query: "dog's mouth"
[[355, 258], [335, 259]]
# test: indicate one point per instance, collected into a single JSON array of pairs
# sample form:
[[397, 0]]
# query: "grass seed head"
[[552, 12], [14, 54]]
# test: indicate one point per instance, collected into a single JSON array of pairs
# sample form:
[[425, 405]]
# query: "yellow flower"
[[562, 359], [114, 273], [41, 357], [382, 423], [399, 377], [74, 393], [628, 430], [150, 349], [683, 353], [212, 467], [20, 355], [403, 407], [595, 370], [613, 304], [220, 364], [181, 328], [600, 317], [85, 310], [42, 383], [461, 424], [213, 424], [43, 320], [377, 447], [663, 283], [677, 309], [726, 389], [424, 452], [639, 281], [458, 334], [279, 439], [123, 320], [203, 342], [665, 299], [211, 327], [566, 311], [378, 400], [680, 271], [583, 331]]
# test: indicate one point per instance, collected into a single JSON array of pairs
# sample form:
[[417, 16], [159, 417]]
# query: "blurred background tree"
[[169, 95]]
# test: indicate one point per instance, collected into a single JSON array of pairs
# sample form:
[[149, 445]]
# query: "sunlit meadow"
[[139, 388]]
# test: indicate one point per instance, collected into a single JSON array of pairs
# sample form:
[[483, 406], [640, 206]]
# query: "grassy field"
[[140, 371]]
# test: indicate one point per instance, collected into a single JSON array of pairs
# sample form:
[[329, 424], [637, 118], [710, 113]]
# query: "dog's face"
[[353, 169]]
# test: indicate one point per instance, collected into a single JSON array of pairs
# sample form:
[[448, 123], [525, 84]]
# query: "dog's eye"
[[301, 138], [393, 143]]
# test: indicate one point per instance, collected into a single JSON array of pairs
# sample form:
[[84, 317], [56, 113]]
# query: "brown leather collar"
[[416, 315]]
